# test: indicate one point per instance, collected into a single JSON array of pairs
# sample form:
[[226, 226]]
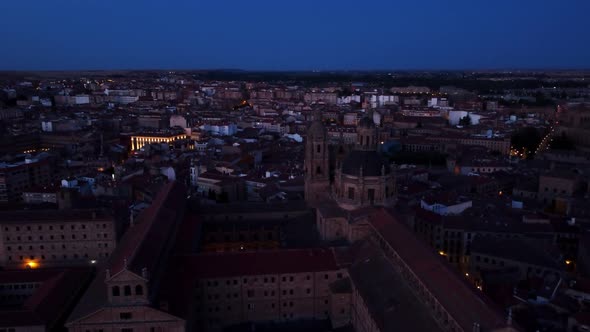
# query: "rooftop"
[[465, 304]]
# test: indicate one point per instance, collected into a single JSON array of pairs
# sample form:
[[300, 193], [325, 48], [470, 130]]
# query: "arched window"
[[318, 170], [116, 291], [138, 290], [127, 290], [319, 148]]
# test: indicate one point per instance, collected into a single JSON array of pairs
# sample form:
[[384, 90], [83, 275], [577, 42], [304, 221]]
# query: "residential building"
[[56, 237]]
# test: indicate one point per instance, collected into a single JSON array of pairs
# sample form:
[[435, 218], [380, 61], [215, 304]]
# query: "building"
[[526, 256], [272, 285], [558, 183], [39, 299], [123, 296], [43, 238], [143, 138], [499, 144], [220, 128], [41, 195], [447, 203], [19, 176], [454, 304], [364, 178], [575, 124], [317, 171]]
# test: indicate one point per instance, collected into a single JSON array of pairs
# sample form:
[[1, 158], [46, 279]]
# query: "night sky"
[[294, 35]]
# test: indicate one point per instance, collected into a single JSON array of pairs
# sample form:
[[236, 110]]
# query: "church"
[[346, 186]]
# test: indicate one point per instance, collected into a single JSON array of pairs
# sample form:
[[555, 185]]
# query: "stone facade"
[[55, 238], [317, 170], [361, 178]]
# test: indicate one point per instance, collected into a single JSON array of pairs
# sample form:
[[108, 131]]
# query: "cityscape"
[[140, 196]]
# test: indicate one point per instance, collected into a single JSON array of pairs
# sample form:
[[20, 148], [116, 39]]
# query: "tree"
[[465, 121], [526, 139], [562, 142]]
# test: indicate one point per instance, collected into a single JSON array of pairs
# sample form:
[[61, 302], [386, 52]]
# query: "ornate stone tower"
[[365, 177], [366, 139], [317, 171]]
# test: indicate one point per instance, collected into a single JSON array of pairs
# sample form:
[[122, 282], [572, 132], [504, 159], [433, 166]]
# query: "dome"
[[316, 129], [371, 162], [366, 122]]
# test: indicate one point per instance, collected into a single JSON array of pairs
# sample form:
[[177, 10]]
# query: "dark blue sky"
[[302, 34]]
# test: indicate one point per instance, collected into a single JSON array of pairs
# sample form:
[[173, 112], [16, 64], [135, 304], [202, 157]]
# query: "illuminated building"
[[140, 139]]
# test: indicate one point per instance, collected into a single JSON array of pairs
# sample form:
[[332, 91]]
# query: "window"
[[116, 291], [319, 148], [125, 315], [318, 170], [138, 290], [127, 330], [371, 195], [350, 192], [127, 290]]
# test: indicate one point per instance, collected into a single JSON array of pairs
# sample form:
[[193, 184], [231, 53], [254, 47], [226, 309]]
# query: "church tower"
[[366, 139], [317, 171]]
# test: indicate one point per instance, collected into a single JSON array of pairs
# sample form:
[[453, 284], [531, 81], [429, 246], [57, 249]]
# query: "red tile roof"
[[143, 240], [465, 304], [50, 302]]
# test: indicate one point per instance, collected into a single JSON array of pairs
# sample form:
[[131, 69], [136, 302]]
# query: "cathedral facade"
[[362, 179]]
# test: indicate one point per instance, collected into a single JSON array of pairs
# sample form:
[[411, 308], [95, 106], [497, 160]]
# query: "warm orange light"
[[32, 264], [568, 262], [442, 253]]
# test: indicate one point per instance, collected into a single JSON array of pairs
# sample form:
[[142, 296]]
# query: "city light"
[[32, 264]]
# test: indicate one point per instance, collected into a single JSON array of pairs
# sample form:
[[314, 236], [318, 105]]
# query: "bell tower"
[[317, 171], [366, 132]]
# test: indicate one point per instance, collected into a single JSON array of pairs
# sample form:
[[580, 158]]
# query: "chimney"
[[108, 274], [509, 318], [144, 273], [125, 263]]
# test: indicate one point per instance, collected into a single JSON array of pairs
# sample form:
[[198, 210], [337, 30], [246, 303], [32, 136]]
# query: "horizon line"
[[483, 69]]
